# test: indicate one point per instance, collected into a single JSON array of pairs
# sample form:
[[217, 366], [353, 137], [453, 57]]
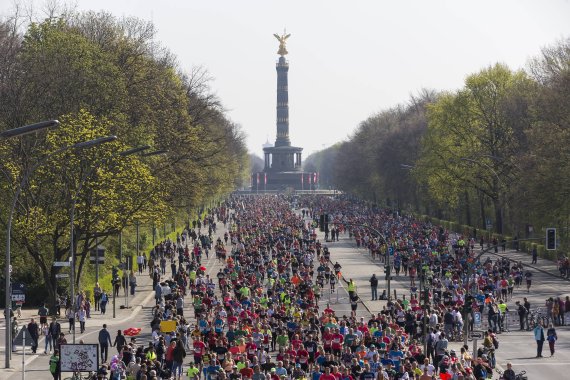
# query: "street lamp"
[[124, 153], [15, 132], [81, 145], [27, 129], [155, 153], [134, 150]]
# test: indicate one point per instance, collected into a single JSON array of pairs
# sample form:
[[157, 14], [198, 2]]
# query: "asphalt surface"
[[518, 347]]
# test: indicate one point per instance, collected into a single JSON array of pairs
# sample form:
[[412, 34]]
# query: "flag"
[[258, 178], [302, 179], [315, 177], [309, 179], [265, 180]]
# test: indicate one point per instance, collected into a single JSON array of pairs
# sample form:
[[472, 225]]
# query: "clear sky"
[[348, 59]]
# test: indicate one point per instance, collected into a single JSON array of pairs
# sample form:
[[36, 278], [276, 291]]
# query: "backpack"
[[495, 343]]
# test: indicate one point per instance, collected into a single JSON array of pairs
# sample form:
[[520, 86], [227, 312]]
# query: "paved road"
[[138, 316], [518, 347]]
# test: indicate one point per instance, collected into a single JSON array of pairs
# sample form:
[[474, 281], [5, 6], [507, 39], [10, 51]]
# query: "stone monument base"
[[282, 181]]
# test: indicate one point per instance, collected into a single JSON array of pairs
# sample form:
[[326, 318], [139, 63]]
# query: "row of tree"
[[495, 150], [100, 76]]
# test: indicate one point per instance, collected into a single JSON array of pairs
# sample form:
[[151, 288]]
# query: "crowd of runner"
[[260, 317]]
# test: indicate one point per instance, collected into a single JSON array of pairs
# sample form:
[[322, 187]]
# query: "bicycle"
[[519, 376], [78, 376], [537, 316]]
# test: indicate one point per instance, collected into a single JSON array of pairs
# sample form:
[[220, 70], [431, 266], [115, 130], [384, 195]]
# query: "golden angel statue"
[[282, 40]]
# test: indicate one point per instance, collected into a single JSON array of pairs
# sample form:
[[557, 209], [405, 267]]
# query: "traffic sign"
[[61, 263], [391, 251], [477, 334], [62, 275], [477, 319], [18, 292], [19, 297]]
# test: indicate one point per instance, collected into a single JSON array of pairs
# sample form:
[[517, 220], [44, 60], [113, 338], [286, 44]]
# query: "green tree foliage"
[[370, 163], [103, 75], [105, 191], [495, 149], [324, 162], [471, 142], [548, 157]]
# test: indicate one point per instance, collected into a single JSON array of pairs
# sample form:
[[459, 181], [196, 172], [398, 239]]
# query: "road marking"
[[538, 363]]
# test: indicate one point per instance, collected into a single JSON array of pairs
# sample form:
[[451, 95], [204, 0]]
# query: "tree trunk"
[[482, 210], [52, 290], [467, 209], [84, 253], [498, 215]]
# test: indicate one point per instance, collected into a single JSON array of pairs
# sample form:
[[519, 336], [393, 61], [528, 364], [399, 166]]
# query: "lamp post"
[[81, 145], [128, 152], [20, 131]]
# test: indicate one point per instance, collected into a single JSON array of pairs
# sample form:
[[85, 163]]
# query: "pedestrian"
[[551, 337], [14, 332], [54, 329], [54, 365], [47, 340], [374, 287], [132, 282], [103, 302], [43, 313], [522, 312], [34, 332], [104, 342], [440, 348], [97, 295], [534, 255], [140, 263], [539, 337], [81, 317], [61, 340], [178, 356], [70, 314], [120, 341], [528, 276]]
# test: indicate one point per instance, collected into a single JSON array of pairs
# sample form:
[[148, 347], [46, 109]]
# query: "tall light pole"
[[81, 145], [126, 153], [20, 131], [87, 144]]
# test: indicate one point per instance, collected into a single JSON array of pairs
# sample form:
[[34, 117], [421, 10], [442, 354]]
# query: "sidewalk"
[[351, 259], [543, 265], [143, 297], [144, 293]]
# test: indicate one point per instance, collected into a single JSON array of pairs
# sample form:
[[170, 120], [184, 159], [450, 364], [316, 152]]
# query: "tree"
[[471, 140], [107, 192], [547, 157]]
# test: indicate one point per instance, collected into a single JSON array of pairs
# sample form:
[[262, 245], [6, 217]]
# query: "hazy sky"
[[348, 59]]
